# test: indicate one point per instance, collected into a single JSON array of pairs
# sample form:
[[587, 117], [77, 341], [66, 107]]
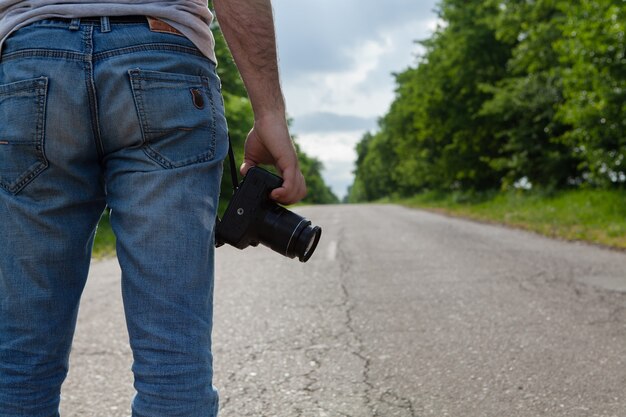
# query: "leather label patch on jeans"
[[157, 25]]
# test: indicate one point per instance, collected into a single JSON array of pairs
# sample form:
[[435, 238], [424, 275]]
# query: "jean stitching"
[[136, 85], [44, 53], [90, 86], [214, 118], [40, 87], [78, 56], [148, 48], [135, 81]]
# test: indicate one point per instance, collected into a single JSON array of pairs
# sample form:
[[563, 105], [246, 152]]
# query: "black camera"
[[252, 218]]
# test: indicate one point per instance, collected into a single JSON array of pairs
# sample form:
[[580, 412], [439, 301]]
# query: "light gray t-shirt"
[[190, 17]]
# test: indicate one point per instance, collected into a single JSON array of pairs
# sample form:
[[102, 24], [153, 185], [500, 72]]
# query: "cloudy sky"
[[337, 58]]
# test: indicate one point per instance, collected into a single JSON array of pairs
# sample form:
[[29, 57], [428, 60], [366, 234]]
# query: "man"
[[117, 103]]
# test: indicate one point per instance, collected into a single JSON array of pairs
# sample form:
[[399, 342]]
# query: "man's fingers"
[[284, 196], [245, 167], [292, 190]]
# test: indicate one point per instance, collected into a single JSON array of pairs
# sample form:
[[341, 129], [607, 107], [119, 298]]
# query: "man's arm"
[[248, 27]]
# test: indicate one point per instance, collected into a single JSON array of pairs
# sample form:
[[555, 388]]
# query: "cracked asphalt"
[[398, 313]]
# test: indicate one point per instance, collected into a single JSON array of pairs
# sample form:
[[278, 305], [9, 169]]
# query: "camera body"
[[252, 218]]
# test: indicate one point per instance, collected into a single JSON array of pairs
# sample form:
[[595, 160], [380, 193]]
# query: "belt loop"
[[75, 24], [105, 24]]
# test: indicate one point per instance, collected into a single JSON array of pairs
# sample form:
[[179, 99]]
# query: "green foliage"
[[317, 190], [593, 53], [104, 242], [524, 103], [508, 94], [374, 155]]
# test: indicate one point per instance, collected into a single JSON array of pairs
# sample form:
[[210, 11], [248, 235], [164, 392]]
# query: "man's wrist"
[[270, 106], [271, 117]]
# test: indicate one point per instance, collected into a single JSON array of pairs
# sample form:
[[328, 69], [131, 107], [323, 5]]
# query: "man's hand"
[[248, 27], [269, 143]]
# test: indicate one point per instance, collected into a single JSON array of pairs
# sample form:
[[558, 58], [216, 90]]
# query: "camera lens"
[[307, 242], [288, 234]]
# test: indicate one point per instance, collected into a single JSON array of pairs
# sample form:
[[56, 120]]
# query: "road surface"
[[399, 313]]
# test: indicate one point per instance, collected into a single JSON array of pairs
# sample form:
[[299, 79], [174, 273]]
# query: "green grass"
[[104, 244], [596, 216]]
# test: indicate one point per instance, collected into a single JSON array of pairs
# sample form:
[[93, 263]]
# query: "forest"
[[507, 95]]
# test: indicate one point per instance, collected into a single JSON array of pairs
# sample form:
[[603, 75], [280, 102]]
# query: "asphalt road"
[[398, 313]]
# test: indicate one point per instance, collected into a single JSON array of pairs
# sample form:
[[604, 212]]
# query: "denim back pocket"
[[22, 120], [177, 116]]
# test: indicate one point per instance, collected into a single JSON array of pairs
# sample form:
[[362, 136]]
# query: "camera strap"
[[233, 164]]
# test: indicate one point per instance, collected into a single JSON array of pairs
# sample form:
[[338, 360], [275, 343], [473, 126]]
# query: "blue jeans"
[[96, 113]]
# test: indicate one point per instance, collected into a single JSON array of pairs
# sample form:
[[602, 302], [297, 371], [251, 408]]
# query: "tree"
[[525, 102], [435, 136], [375, 160], [508, 91], [594, 86], [317, 190]]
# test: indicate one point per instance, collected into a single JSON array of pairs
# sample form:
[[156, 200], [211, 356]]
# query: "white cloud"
[[337, 151], [332, 122], [338, 57], [338, 91]]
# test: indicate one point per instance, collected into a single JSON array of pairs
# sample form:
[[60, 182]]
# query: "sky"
[[337, 58]]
